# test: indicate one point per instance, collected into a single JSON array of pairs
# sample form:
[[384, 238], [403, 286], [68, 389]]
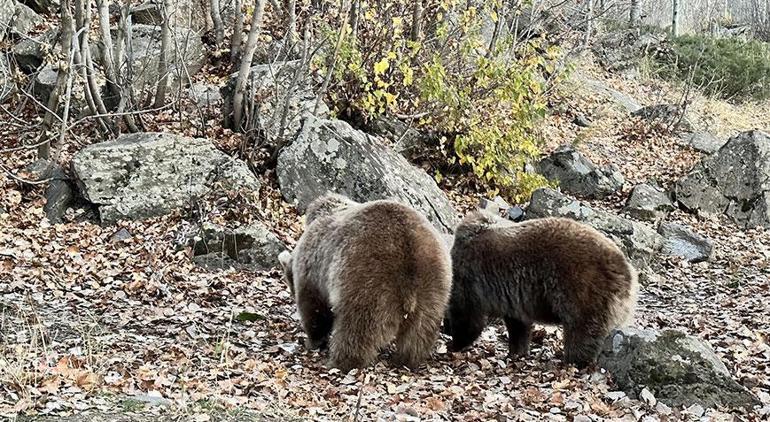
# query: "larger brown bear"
[[364, 274], [551, 270]]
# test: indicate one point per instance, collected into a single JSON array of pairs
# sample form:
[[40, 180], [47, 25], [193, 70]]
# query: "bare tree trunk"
[[417, 21], [237, 40], [244, 71], [290, 20], [216, 17], [63, 74], [675, 20], [589, 20], [165, 47], [108, 60], [355, 14], [125, 50], [636, 12]]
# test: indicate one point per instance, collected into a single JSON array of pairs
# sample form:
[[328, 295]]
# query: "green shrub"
[[487, 103], [724, 67]]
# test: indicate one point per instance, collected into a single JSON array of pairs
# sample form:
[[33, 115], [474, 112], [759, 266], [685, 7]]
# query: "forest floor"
[[125, 327]]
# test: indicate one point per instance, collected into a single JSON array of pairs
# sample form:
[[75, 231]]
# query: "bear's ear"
[[285, 259]]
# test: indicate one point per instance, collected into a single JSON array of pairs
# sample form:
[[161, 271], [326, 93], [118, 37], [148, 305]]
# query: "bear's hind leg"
[[357, 338], [317, 318], [416, 337], [519, 334]]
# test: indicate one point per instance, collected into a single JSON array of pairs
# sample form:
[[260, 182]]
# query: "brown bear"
[[550, 270], [364, 274]]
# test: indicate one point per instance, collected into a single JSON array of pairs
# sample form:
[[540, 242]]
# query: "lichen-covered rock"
[[329, 155], [625, 101], [648, 203], [279, 88], [679, 240], [677, 369], [735, 181], [150, 12], [252, 246], [579, 176], [142, 175], [639, 242]]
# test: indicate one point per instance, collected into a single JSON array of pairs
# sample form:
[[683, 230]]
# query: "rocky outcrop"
[[735, 181], [703, 142], [638, 241], [625, 101], [42, 6], [329, 155], [679, 240], [281, 97], [205, 95], [147, 174], [579, 176], [670, 116], [405, 139], [253, 247], [150, 12], [7, 10], [24, 20], [187, 48], [677, 369], [29, 52], [648, 203]]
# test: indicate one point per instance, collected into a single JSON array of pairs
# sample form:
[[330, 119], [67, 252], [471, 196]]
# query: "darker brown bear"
[[551, 270], [364, 274]]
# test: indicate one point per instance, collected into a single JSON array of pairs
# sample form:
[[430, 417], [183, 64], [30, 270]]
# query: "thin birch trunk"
[[244, 71]]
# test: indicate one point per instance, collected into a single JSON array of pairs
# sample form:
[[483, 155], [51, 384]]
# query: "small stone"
[[662, 408], [120, 236], [615, 395], [582, 121], [515, 213], [679, 240], [696, 410], [647, 397]]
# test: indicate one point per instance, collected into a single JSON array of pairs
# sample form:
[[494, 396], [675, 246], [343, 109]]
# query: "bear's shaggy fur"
[[551, 270], [364, 274]]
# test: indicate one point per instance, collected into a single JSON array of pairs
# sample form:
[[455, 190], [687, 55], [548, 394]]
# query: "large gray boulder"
[[187, 56], [142, 175], [677, 369], [329, 155], [648, 203], [150, 12], [24, 20], [30, 53], [577, 175], [639, 242], [625, 101], [405, 139], [679, 240], [282, 95], [252, 246], [735, 181]]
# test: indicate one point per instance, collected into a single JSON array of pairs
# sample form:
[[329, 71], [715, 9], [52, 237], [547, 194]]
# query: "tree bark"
[[237, 40], [290, 20], [165, 47], [67, 25], [417, 21], [635, 12], [216, 17], [675, 20], [244, 71]]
